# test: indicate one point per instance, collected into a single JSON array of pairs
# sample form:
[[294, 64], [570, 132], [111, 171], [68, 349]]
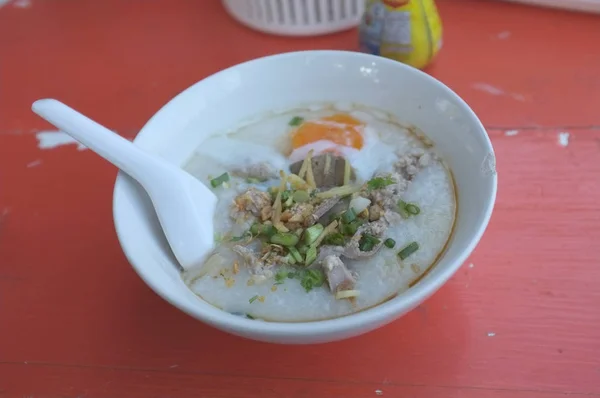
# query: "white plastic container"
[[296, 17]]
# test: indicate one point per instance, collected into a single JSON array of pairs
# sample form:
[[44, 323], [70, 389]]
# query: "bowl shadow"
[[426, 346]]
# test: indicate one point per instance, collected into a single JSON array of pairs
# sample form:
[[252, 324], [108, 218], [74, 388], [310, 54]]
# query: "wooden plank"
[[523, 318], [61, 381]]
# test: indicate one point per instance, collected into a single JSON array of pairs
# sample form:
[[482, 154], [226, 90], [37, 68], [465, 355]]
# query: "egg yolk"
[[341, 129]]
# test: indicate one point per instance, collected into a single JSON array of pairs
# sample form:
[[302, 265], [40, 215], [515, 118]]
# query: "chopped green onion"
[[302, 248], [268, 230], [408, 209], [295, 254], [245, 235], [379, 182], [280, 277], [389, 243], [263, 229], [367, 243], [289, 259], [296, 121], [402, 209], [223, 178], [350, 229], [408, 250], [285, 195], [312, 278], [253, 299], [284, 239], [249, 316], [413, 209], [255, 229], [348, 216], [253, 180], [311, 255], [335, 239], [301, 196], [312, 233], [326, 231]]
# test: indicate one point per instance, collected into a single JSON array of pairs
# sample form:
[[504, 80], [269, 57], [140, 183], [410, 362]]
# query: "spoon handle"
[[111, 146]]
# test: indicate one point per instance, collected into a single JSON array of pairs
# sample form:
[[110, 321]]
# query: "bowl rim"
[[377, 315]]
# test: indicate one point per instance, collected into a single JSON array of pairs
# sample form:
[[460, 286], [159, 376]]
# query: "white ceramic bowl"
[[287, 80]]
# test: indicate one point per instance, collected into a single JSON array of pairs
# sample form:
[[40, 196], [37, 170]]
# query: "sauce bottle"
[[409, 31]]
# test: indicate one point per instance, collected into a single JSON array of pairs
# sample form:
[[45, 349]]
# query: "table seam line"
[[301, 379]]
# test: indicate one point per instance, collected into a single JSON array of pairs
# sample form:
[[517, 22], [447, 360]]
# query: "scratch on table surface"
[[378, 392], [511, 133], [503, 35], [34, 163], [55, 139], [563, 139], [496, 91], [3, 215], [491, 334]]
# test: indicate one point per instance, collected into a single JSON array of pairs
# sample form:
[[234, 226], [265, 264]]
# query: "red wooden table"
[[520, 319]]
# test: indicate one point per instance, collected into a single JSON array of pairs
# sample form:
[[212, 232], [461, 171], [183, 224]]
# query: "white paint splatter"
[[471, 265], [511, 133], [497, 91], [54, 139], [563, 139], [34, 163], [378, 392], [22, 3], [491, 334], [488, 88], [503, 35]]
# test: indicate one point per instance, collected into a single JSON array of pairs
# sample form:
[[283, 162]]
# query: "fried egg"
[[355, 138]]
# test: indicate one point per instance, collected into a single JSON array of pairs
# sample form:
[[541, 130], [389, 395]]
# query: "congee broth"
[[322, 212]]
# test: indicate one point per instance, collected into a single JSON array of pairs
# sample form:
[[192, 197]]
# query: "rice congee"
[[322, 211]]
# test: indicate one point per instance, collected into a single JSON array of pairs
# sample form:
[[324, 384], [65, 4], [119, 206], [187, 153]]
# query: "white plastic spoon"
[[185, 207]]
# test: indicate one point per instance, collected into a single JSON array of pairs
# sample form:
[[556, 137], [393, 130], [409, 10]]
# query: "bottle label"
[[405, 30]]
